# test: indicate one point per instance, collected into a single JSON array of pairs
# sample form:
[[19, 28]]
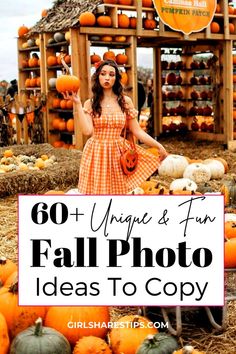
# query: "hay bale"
[[62, 175]]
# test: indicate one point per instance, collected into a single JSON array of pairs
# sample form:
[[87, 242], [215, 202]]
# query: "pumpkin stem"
[[135, 322], [3, 260], [14, 287], [38, 327]]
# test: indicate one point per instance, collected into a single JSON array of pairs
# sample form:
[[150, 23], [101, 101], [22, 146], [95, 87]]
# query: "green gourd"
[[40, 340], [160, 343]]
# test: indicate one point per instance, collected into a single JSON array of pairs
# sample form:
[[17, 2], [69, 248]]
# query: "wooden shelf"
[[30, 49], [35, 68], [57, 44], [118, 45]]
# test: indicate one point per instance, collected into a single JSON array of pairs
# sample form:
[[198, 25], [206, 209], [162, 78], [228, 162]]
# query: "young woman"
[[103, 118]]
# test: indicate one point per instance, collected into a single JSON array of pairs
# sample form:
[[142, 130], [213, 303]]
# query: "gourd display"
[[173, 166], [40, 340], [126, 340], [160, 343], [58, 318], [91, 345], [4, 338]]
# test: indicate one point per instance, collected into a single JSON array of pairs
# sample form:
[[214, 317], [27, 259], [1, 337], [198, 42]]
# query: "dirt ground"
[[196, 331]]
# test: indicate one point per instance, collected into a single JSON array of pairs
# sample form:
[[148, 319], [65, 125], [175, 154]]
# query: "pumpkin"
[[69, 104], [4, 338], [188, 349], [147, 3], [215, 27], [70, 125], [52, 60], [17, 317], [160, 343], [44, 12], [40, 340], [121, 59], [70, 83], [22, 30], [133, 22], [137, 190], [11, 279], [67, 36], [216, 167], [228, 189], [104, 21], [63, 104], [7, 267], [91, 345], [154, 151], [126, 340], [124, 78], [230, 217], [230, 229], [109, 55], [52, 82], [59, 37], [230, 253], [231, 28], [125, 2], [87, 19], [173, 166], [224, 162], [59, 317], [106, 38], [183, 184], [123, 21], [56, 102], [198, 172], [149, 23], [120, 38], [95, 58], [8, 153]]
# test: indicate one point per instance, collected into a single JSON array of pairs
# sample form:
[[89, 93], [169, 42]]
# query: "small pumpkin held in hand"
[[40, 340]]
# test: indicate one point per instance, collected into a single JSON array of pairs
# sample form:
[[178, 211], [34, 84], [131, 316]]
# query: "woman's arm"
[[85, 119], [141, 135]]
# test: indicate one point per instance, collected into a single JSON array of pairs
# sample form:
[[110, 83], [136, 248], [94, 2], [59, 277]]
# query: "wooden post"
[[157, 92], [80, 62], [228, 91]]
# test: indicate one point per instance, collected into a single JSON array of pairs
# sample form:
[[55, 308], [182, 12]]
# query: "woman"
[[103, 118]]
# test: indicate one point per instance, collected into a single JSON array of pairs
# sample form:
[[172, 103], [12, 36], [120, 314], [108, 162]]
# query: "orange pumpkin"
[[109, 55], [215, 27], [147, 3], [22, 30], [62, 125], [231, 28], [4, 338], [121, 59], [63, 104], [120, 38], [188, 349], [230, 10], [27, 82], [11, 279], [87, 19], [149, 23], [234, 95], [179, 21], [91, 344], [69, 83], [67, 59], [126, 340], [106, 38], [57, 143], [17, 317], [124, 78], [218, 9], [110, 1], [69, 104], [59, 317], [44, 12], [133, 22], [56, 102], [125, 2], [7, 267], [95, 58], [55, 123], [230, 229], [104, 21], [33, 62], [52, 60], [70, 125], [230, 253], [123, 21]]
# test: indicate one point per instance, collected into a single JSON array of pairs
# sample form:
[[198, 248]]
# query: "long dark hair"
[[98, 90]]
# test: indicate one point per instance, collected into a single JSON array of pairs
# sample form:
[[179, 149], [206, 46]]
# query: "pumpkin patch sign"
[[186, 16]]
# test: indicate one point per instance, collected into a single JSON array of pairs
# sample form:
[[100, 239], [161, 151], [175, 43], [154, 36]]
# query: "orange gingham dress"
[[100, 169]]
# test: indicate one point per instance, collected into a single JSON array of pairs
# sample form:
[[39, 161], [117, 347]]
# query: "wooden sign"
[[186, 16]]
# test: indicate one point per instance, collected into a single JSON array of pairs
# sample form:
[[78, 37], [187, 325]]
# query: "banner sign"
[[121, 250], [186, 16]]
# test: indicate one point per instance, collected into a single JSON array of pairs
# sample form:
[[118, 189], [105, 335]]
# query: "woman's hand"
[[163, 153], [71, 95]]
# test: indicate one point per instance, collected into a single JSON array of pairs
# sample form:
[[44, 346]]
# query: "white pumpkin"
[[173, 166], [230, 217], [198, 172], [216, 167], [183, 184], [137, 190]]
